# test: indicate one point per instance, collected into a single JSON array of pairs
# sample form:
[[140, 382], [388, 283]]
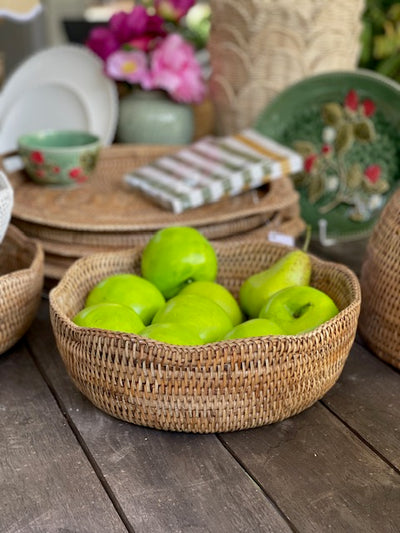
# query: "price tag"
[[281, 238]]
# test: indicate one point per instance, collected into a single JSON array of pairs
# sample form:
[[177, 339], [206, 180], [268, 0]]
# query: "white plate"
[[63, 87]]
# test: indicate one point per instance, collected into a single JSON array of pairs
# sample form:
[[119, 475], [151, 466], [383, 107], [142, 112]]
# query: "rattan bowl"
[[21, 283], [223, 386]]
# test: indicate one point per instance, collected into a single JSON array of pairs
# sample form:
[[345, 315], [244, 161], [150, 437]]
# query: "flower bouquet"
[[146, 48]]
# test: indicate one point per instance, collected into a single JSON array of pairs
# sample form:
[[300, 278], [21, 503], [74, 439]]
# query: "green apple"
[[131, 290], [218, 294], [176, 256], [197, 313], [172, 333], [255, 327], [294, 268], [114, 317], [299, 309]]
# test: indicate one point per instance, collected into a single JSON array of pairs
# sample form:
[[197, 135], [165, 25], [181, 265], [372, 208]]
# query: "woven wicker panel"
[[21, 282], [380, 284], [223, 386], [259, 47], [106, 204]]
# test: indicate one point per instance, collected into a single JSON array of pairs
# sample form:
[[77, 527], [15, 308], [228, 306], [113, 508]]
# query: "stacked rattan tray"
[[106, 214]]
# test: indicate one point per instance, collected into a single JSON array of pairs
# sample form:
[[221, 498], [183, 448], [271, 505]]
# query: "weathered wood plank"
[[165, 482], [46, 481], [320, 474], [367, 398]]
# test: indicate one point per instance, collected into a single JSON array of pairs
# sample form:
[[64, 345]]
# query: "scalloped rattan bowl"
[[21, 283], [223, 386]]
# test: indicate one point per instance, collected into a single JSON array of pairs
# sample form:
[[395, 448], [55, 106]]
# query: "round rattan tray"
[[223, 386], [107, 204]]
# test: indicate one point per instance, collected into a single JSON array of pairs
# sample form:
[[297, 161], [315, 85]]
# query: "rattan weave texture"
[[106, 214], [380, 284], [21, 282], [223, 386]]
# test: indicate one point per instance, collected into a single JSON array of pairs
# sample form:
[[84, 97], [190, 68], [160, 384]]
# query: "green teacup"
[[56, 157]]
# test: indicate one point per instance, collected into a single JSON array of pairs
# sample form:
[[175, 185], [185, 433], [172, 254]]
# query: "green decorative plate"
[[346, 124]]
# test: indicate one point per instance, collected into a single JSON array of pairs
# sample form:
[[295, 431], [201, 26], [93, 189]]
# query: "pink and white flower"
[[175, 69], [130, 66]]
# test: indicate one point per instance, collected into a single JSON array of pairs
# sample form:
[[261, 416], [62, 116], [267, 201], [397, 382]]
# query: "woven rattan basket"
[[380, 284], [223, 386], [21, 282]]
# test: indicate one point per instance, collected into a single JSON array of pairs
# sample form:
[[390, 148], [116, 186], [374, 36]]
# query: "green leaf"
[[316, 188], [380, 187], [390, 66], [354, 176], [300, 179], [332, 114], [364, 130], [344, 138], [394, 12], [304, 148], [367, 43], [356, 215]]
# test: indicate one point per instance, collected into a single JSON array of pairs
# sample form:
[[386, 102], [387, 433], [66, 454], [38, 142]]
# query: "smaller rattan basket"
[[380, 284], [21, 283], [223, 386]]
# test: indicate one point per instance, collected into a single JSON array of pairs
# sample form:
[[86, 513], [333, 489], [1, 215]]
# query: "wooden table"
[[67, 467]]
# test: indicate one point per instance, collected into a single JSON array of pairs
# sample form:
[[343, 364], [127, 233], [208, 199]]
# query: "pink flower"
[[373, 173], [144, 43], [129, 66], [368, 107], [128, 26], [173, 10], [351, 100], [37, 157], [102, 42], [309, 162], [175, 69]]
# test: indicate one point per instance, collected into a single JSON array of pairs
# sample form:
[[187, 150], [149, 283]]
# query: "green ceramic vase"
[[151, 117]]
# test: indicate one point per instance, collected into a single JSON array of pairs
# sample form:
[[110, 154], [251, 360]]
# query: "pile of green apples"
[[178, 301]]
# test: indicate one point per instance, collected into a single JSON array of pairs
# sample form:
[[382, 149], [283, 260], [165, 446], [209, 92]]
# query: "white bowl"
[[6, 204]]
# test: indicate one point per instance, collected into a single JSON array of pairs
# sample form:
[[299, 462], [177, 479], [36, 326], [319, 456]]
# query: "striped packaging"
[[212, 168]]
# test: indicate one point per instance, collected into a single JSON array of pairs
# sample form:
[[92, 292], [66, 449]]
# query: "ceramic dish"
[[62, 87], [59, 157], [6, 204], [346, 126]]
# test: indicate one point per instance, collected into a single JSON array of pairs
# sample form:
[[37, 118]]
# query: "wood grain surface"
[[65, 466]]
